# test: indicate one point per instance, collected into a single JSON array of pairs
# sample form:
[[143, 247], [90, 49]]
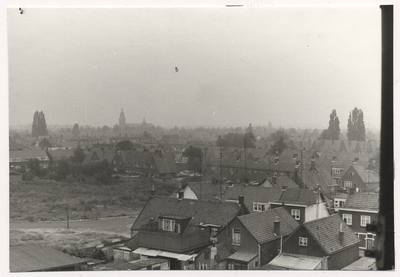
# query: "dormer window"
[[168, 225], [297, 164], [294, 156], [355, 160]]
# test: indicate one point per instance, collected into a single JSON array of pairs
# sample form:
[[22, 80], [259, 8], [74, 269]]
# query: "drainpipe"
[[259, 255]]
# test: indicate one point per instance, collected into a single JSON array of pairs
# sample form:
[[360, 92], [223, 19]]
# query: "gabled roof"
[[24, 258], [325, 232], [299, 196], [261, 224], [366, 175], [363, 201], [206, 189], [205, 212]]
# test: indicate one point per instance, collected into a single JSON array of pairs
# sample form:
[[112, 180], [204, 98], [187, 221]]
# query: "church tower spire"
[[122, 120]]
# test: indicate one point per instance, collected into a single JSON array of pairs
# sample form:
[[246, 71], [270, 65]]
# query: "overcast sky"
[[290, 66]]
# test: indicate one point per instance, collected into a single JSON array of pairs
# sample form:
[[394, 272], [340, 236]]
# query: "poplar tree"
[[39, 126], [355, 125]]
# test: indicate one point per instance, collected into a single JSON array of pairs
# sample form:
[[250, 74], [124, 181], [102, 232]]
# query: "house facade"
[[256, 238], [327, 240], [359, 210], [177, 228], [303, 204]]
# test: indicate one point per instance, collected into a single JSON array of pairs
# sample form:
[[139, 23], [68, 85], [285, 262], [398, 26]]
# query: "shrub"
[[54, 176]]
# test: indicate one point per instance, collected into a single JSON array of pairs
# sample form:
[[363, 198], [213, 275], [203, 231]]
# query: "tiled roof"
[[261, 224], [363, 201], [33, 257], [165, 164], [366, 175], [299, 196], [325, 232], [205, 212], [206, 189]]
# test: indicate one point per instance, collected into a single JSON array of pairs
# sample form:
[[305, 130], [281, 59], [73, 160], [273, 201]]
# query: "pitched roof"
[[206, 189], [261, 224], [363, 201], [34, 257], [325, 232], [299, 196], [366, 175], [205, 212]]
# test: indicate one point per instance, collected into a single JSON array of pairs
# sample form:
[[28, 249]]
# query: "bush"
[[28, 176], [54, 176]]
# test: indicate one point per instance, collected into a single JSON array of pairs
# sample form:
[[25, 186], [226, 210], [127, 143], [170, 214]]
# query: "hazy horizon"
[[290, 66]]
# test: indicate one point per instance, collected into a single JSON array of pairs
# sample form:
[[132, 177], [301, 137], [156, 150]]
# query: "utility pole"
[[220, 172], [245, 161], [67, 206]]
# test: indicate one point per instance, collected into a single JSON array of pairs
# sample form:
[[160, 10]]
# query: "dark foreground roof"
[[24, 258], [261, 224], [200, 212], [325, 231]]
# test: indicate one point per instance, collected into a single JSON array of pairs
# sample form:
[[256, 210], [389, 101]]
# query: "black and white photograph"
[[226, 137]]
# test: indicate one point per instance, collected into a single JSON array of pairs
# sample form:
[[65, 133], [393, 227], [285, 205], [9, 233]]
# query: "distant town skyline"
[[290, 66]]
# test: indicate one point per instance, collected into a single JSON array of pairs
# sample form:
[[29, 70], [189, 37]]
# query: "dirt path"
[[118, 225]]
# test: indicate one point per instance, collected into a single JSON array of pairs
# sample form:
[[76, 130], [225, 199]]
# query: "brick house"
[[303, 204], [359, 179], [177, 228], [256, 198], [359, 210], [256, 237], [19, 159], [326, 243]]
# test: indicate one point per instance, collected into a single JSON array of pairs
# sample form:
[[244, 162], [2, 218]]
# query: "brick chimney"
[[241, 200], [152, 191], [341, 233], [277, 227], [180, 194]]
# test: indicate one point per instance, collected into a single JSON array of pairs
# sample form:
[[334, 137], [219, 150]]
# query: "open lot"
[[44, 200]]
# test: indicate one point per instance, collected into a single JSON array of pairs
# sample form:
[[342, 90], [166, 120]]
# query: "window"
[[303, 241], [295, 213], [259, 207], [256, 264], [348, 218], [348, 184], [168, 225], [365, 219], [236, 237]]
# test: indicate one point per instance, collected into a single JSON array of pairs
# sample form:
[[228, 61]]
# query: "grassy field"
[[44, 200]]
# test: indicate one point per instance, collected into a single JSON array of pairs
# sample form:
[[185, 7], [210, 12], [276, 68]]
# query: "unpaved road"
[[119, 225]]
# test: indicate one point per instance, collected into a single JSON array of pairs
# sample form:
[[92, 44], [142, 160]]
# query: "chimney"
[[152, 191], [241, 200], [274, 180], [284, 188], [180, 195], [341, 233], [277, 227]]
